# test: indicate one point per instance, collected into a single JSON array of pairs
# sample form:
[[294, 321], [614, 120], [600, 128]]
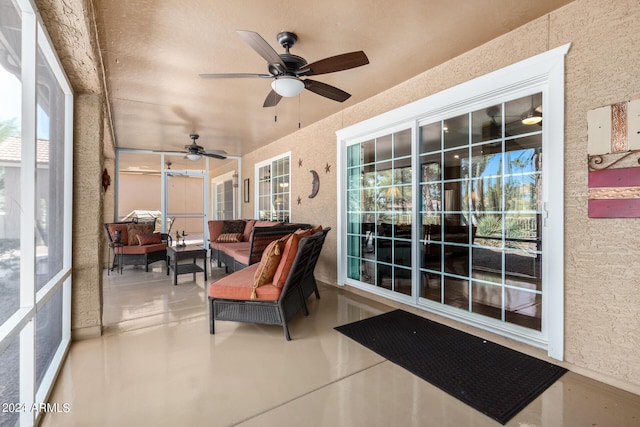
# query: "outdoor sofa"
[[274, 290], [240, 243]]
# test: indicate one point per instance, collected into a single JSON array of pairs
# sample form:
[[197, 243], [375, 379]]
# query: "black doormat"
[[495, 380]]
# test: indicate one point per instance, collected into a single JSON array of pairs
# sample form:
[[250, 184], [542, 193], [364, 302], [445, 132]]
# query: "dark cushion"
[[233, 226]]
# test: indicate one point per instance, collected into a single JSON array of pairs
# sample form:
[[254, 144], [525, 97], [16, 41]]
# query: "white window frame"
[[256, 187], [221, 179], [21, 325], [541, 73]]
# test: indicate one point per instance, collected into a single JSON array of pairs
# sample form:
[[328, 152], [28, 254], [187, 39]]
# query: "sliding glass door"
[[480, 237]]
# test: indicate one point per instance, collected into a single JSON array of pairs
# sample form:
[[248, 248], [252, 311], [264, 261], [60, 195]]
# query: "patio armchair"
[[136, 243]]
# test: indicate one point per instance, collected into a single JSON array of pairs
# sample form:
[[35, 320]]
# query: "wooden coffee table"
[[175, 254]]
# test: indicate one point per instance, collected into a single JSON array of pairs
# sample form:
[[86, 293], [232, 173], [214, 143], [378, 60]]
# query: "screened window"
[[35, 212]]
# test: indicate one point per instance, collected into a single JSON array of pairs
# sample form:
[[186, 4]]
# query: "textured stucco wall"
[[86, 298], [602, 273], [602, 289]]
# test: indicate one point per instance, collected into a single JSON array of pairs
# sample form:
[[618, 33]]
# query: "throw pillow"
[[233, 226], [149, 239], [134, 229], [229, 238], [268, 264]]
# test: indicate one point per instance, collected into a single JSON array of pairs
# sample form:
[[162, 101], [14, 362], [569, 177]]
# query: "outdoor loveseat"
[[274, 290]]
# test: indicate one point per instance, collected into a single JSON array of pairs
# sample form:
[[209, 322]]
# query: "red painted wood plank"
[[614, 208], [623, 177]]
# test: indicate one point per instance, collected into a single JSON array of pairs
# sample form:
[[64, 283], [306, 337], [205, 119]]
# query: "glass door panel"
[[380, 211], [480, 209], [185, 203]]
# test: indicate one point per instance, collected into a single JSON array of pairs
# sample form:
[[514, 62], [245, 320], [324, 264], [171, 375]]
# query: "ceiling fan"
[[287, 69], [195, 151]]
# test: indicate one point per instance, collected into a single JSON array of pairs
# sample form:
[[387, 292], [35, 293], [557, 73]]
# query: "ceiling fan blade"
[[272, 99], [167, 152], [263, 48], [332, 64], [214, 155], [234, 76], [326, 90]]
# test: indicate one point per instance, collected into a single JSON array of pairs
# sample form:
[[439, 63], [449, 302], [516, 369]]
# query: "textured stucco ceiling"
[[153, 51]]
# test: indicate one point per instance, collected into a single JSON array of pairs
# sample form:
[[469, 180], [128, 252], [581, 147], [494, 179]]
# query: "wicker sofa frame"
[[292, 298]]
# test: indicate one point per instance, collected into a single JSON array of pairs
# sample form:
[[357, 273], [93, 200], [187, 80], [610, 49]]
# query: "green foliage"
[[8, 128]]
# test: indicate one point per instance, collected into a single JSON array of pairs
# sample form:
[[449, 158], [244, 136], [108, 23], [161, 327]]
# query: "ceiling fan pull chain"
[[299, 97]]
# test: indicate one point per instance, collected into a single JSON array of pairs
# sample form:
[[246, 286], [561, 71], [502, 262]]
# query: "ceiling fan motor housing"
[[293, 63]]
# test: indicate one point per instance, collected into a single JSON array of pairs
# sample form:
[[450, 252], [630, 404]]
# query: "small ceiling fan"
[[287, 69], [195, 151]]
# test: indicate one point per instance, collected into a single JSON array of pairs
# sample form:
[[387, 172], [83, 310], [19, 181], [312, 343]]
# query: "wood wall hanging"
[[613, 147], [106, 179]]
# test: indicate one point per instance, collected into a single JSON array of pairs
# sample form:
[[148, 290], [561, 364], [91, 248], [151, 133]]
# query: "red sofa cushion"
[[289, 254], [140, 249], [239, 286], [248, 228], [215, 230], [240, 255], [124, 236]]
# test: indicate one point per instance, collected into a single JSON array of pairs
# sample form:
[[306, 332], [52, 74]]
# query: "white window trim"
[[541, 73], [256, 178], [220, 179]]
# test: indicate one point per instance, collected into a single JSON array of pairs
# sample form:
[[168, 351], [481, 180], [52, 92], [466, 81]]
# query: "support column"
[[86, 302]]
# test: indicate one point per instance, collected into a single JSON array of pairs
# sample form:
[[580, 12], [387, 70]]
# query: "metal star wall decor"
[[299, 200], [327, 168], [299, 163]]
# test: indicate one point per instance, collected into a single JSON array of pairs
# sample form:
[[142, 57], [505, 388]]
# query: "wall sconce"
[[235, 179]]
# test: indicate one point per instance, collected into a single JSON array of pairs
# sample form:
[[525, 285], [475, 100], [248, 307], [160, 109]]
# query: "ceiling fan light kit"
[[287, 86], [531, 117], [193, 157]]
